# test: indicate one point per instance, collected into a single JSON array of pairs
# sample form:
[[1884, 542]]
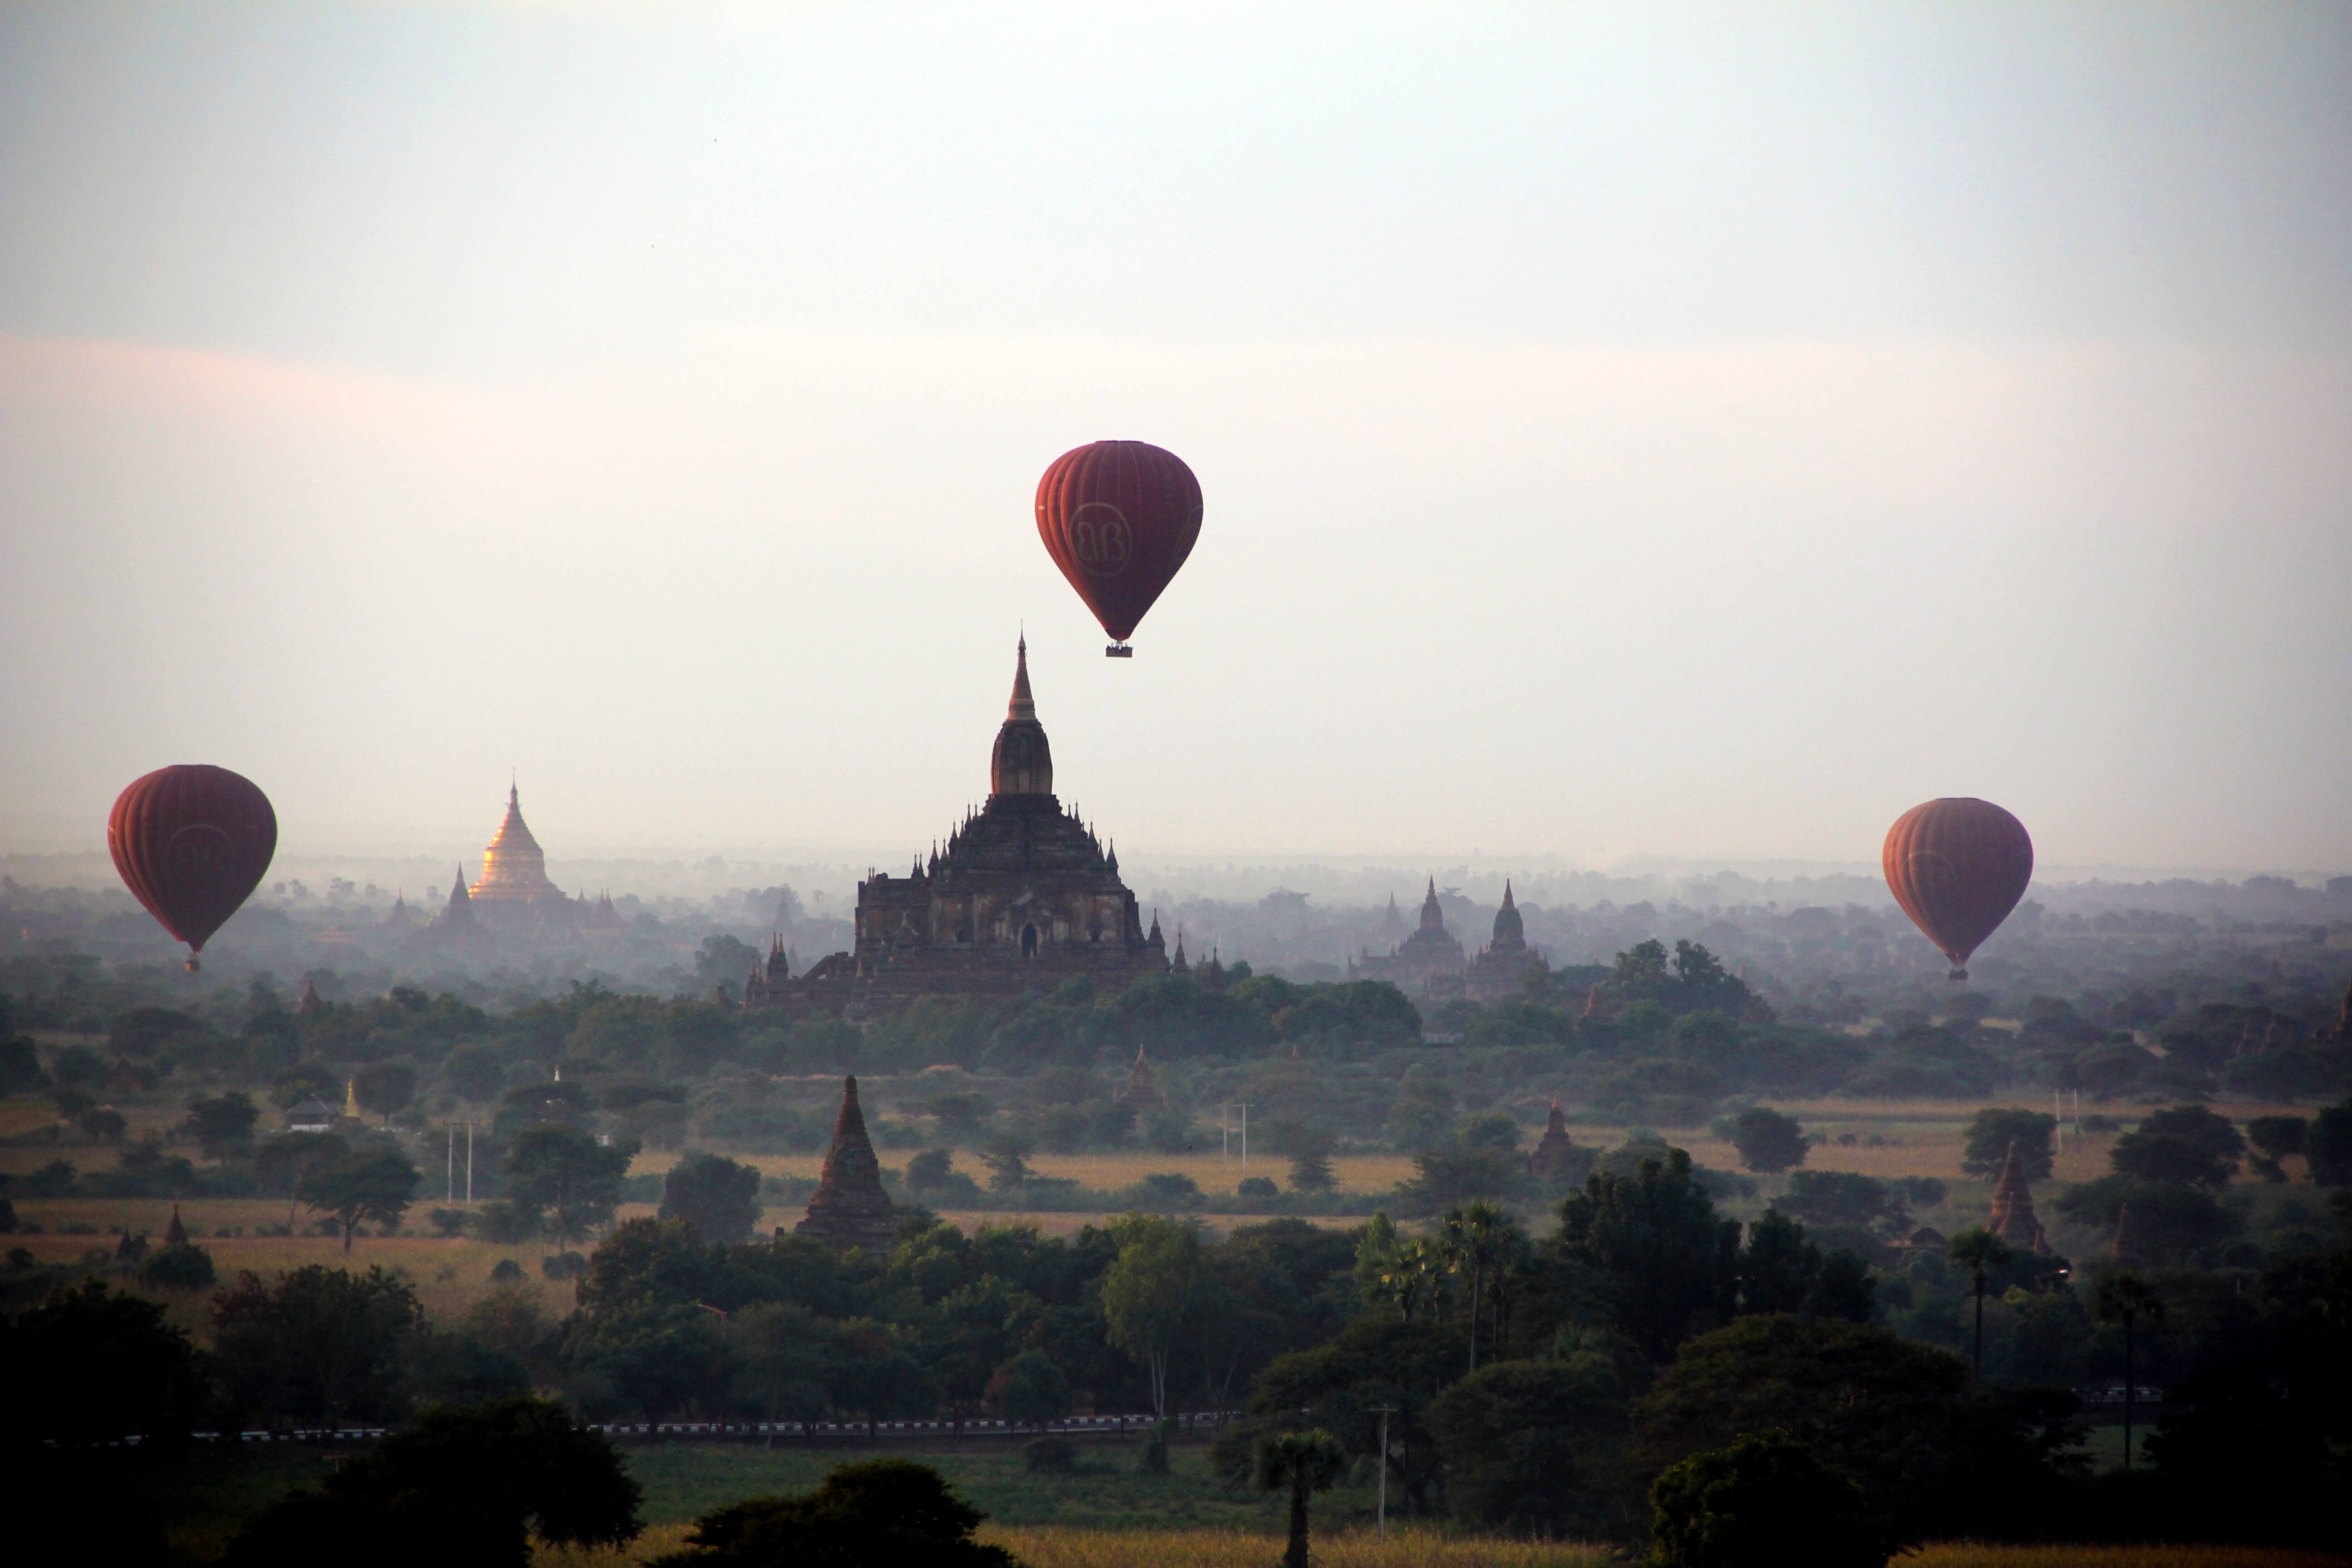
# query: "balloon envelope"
[[1119, 517], [1958, 867], [190, 843]]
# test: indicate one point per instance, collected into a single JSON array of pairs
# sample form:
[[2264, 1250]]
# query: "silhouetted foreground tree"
[[464, 1488], [882, 1513]]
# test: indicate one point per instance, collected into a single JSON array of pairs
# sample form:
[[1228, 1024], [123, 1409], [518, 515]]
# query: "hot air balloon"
[[1119, 517], [1958, 867], [191, 842]]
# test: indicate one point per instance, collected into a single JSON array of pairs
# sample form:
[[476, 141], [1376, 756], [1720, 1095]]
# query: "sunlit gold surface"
[[514, 868]]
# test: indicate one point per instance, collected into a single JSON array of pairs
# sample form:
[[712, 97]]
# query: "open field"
[[1409, 1548], [1892, 1139]]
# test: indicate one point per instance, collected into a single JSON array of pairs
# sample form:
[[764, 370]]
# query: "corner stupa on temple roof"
[[2012, 1218], [175, 1233], [850, 1208]]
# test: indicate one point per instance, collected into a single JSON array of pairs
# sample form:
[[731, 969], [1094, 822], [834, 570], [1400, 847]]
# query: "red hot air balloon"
[[1958, 867], [1119, 517], [191, 842]]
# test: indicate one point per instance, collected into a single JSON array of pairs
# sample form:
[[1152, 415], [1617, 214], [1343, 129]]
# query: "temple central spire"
[[1022, 763]]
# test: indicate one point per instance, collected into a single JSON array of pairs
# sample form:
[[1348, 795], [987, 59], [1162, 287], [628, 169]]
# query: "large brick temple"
[[1022, 897]]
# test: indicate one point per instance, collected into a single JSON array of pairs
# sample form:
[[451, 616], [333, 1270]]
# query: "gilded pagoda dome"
[[514, 868]]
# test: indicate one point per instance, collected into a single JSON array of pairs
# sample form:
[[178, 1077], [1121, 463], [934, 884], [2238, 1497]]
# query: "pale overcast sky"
[[1701, 431]]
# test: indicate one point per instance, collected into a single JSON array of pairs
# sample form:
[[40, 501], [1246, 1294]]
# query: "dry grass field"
[[1048, 1548]]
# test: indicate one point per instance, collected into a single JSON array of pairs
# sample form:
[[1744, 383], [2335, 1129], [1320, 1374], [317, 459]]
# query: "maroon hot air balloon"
[[190, 843], [1958, 867], [1119, 517]]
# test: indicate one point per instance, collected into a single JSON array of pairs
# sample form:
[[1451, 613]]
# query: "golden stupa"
[[514, 868]]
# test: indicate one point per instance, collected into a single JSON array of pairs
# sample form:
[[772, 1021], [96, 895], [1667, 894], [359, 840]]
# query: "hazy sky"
[[1671, 430]]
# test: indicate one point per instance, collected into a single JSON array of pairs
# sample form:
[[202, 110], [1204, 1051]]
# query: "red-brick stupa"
[[850, 1208]]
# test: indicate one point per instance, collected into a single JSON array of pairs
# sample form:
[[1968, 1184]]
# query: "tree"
[[2275, 1138], [1981, 1252], [782, 1357], [1147, 1291], [1527, 1446], [2329, 1146], [1007, 1159], [2125, 1297], [1934, 1460], [373, 1183], [1834, 1200], [1992, 1129], [179, 1266], [1751, 1502], [1778, 1266], [1301, 1463], [2166, 1159], [713, 1194], [474, 1072], [385, 1089], [1477, 1239], [1031, 1388], [1769, 1142], [223, 1123], [881, 1514], [90, 1366], [286, 1162], [318, 1345], [469, 1487], [1310, 1161], [1666, 1264], [560, 1171]]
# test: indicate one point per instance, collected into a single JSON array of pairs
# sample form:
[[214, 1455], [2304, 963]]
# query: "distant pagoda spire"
[[1432, 915], [850, 1209]]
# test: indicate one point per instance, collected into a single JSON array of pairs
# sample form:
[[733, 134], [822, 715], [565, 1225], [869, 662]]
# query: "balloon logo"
[[1958, 867], [1119, 517], [191, 843], [1101, 540]]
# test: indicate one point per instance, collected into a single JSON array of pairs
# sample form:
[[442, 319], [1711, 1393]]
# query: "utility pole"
[[1385, 1410], [1244, 1104]]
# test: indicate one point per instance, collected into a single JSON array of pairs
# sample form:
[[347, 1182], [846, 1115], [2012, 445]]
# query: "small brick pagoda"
[[850, 1208], [1556, 1155], [2012, 1218]]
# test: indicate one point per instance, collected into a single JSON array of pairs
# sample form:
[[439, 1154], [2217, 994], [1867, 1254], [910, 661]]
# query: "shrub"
[[564, 1265], [181, 1266], [879, 1511], [1751, 1502], [506, 1272], [1258, 1187], [1050, 1456]]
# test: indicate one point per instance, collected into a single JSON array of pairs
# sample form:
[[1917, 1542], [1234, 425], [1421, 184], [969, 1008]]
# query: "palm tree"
[[2128, 1297], [1415, 1277], [1304, 1462], [1478, 1239], [1978, 1251]]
